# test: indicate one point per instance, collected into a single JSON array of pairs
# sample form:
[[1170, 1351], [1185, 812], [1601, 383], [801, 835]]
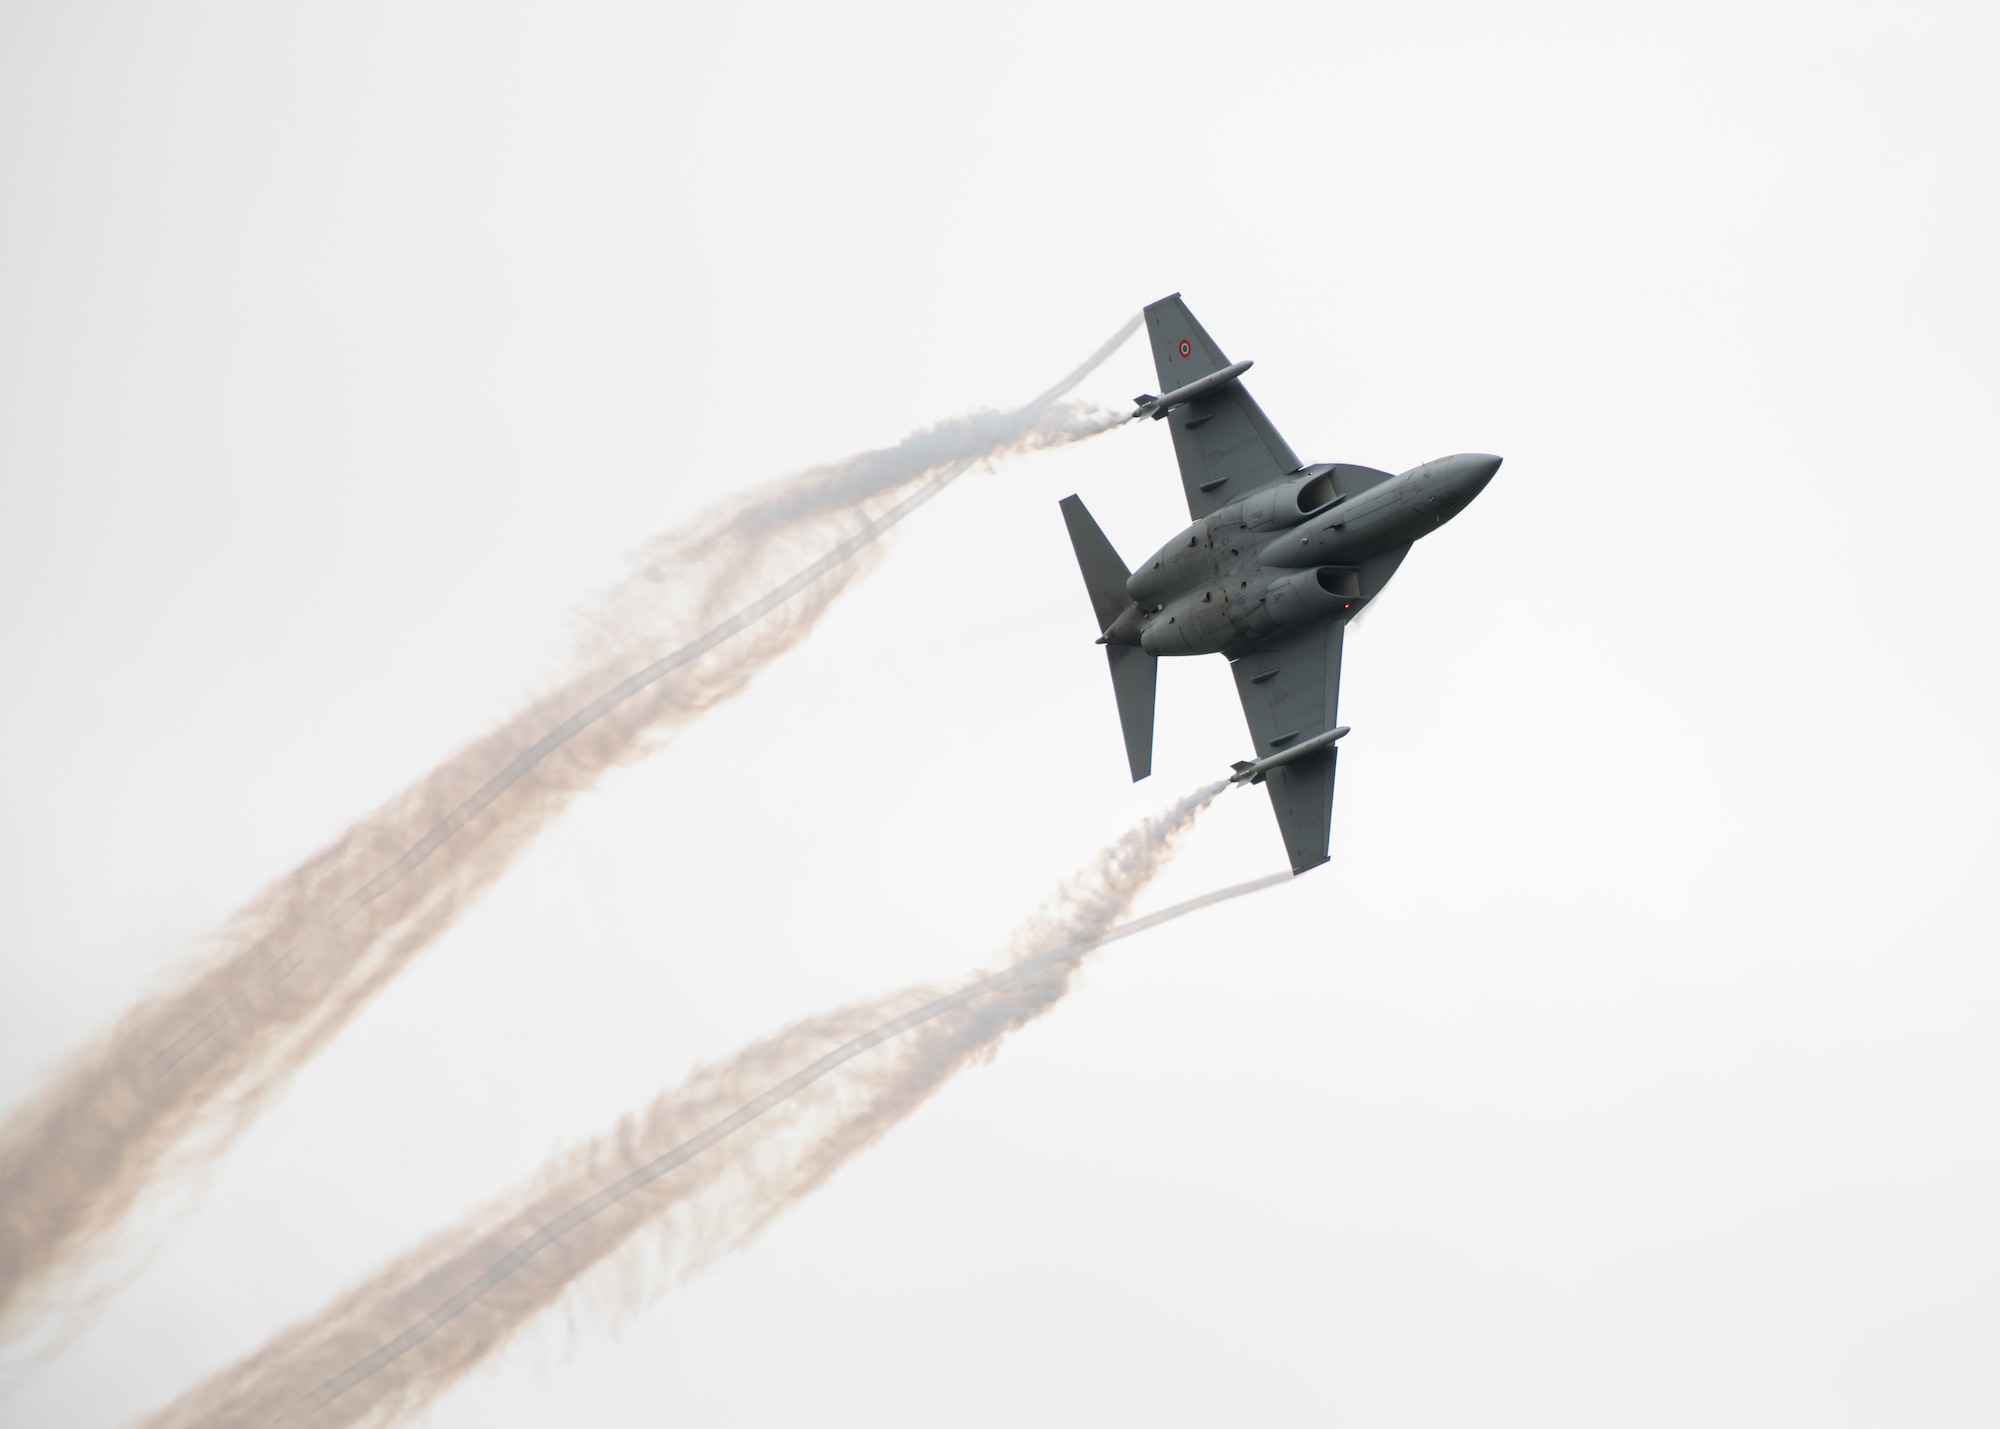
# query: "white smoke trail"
[[186, 1069], [697, 1174]]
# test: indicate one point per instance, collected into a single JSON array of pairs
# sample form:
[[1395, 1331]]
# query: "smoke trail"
[[183, 1072], [697, 1174]]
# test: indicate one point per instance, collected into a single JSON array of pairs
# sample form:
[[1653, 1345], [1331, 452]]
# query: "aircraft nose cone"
[[1471, 472]]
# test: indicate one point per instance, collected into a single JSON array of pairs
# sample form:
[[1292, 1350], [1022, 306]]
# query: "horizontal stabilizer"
[[1135, 676], [1104, 575]]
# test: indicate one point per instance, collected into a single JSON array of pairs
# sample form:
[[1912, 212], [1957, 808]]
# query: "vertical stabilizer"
[[1134, 673]]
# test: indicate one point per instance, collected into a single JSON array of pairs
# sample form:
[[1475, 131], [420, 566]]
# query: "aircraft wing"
[[1226, 445], [1290, 693]]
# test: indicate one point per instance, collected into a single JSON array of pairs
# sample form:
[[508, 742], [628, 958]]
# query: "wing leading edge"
[[1227, 448], [1225, 443], [1290, 693]]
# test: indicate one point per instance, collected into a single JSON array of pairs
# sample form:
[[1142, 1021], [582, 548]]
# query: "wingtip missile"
[[1158, 407], [1249, 771]]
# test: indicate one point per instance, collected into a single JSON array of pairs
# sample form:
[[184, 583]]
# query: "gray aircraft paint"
[[1278, 559]]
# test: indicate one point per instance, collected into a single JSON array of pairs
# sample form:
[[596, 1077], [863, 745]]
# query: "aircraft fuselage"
[[1286, 555], [1279, 558]]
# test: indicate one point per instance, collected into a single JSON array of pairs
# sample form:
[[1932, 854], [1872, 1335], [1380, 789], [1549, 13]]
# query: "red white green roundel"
[[1186, 347]]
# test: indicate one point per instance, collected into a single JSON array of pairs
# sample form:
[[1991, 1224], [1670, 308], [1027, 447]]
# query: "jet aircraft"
[[1279, 558]]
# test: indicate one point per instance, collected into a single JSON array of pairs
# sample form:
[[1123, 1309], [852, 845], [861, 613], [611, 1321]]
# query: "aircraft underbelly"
[[1197, 623], [1277, 559], [1367, 534]]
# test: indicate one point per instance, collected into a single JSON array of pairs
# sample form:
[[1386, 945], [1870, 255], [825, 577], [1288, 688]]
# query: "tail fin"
[[1134, 673], [1134, 676], [1104, 575]]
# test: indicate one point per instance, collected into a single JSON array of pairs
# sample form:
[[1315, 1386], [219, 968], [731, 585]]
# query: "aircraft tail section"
[[1104, 574], [1134, 673], [1134, 677]]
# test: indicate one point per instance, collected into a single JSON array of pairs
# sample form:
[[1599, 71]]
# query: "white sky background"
[[1633, 1062]]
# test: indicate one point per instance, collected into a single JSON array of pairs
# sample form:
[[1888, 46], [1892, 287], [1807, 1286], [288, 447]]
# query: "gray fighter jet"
[[1279, 558]]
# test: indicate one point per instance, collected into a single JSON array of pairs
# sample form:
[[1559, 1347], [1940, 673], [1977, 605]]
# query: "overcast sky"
[[1633, 1062]]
